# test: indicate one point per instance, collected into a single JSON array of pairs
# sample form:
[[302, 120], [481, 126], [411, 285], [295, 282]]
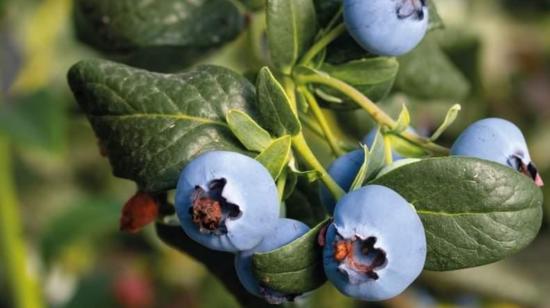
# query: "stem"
[[335, 18], [300, 145], [322, 43], [311, 124], [387, 150], [375, 112], [325, 127], [24, 289], [316, 129]]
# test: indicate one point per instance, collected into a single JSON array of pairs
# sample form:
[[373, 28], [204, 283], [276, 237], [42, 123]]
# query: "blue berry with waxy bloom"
[[226, 201], [286, 231], [500, 141], [343, 170], [387, 27], [376, 246]]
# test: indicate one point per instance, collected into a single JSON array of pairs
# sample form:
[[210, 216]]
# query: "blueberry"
[[226, 201], [497, 140], [343, 170], [285, 232], [376, 246], [386, 27]]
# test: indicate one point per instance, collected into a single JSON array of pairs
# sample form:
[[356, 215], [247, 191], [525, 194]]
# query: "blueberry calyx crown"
[[528, 169], [359, 256], [408, 8], [276, 298], [209, 210]]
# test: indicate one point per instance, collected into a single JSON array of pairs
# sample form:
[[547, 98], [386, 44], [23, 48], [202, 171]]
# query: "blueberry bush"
[[305, 162]]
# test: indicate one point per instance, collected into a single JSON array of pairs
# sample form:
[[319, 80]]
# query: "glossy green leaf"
[[427, 73], [291, 28], [373, 77], [474, 211], [275, 157], [275, 107], [126, 25], [152, 125], [294, 268], [249, 133]]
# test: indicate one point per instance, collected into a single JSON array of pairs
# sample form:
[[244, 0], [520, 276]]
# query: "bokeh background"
[[59, 193]]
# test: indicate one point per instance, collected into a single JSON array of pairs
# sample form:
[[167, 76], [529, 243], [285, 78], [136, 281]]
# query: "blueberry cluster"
[[375, 245]]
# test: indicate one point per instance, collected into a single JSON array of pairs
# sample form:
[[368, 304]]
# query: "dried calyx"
[[358, 258], [210, 210], [411, 8]]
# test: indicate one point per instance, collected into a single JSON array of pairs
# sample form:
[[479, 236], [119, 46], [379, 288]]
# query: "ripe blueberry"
[[376, 246], [343, 170], [386, 27], [226, 201], [285, 232], [500, 141]]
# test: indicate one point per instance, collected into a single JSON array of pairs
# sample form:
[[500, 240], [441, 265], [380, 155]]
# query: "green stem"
[[387, 150], [300, 146], [316, 129], [322, 43], [325, 127], [375, 112], [335, 18], [24, 289]]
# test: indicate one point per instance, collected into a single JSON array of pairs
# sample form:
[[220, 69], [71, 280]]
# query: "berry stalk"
[[375, 112]]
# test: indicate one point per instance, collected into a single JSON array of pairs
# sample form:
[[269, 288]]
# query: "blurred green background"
[[58, 191]]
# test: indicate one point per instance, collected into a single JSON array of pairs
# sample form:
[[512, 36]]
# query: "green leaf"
[[373, 77], [427, 73], [294, 268], [277, 112], [276, 156], [376, 156], [152, 124], [126, 25], [474, 211], [249, 133], [290, 185], [304, 203], [452, 113], [291, 28], [362, 173], [404, 120]]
